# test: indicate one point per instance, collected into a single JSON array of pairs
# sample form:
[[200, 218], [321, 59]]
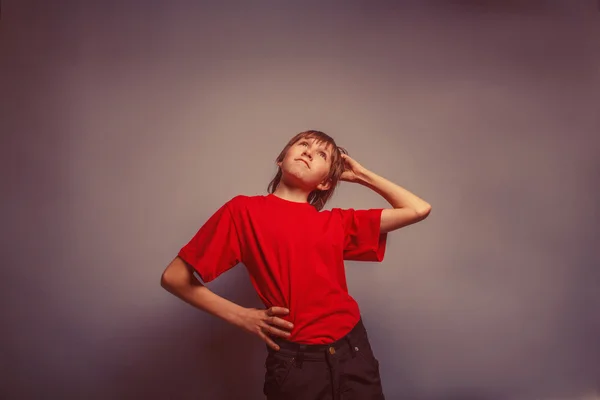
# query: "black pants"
[[343, 370]]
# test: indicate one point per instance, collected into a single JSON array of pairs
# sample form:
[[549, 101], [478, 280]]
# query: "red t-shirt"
[[294, 255]]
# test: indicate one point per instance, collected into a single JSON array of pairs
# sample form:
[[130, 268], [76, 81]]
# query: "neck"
[[289, 193]]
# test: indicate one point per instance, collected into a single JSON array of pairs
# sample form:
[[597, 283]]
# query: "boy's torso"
[[294, 255]]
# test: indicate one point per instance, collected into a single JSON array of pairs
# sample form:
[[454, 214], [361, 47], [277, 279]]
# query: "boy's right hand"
[[265, 322]]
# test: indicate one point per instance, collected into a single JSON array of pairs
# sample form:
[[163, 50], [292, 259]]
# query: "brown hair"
[[316, 198]]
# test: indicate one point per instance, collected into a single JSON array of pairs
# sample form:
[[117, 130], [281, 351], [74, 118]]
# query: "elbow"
[[173, 276], [166, 280], [177, 277], [424, 211]]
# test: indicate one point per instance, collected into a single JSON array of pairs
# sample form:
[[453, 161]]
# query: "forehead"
[[322, 143]]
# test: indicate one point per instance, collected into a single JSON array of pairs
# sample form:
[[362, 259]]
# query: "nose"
[[307, 153]]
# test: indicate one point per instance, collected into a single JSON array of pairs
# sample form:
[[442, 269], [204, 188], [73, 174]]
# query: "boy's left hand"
[[352, 169]]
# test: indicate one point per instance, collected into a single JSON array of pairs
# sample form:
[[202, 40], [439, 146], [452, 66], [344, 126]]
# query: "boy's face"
[[306, 164]]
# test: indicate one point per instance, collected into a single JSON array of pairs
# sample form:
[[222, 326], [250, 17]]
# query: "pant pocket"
[[366, 356], [365, 352], [362, 379]]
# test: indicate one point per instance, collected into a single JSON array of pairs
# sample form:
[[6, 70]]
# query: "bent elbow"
[[166, 280], [177, 277], [424, 212], [172, 276]]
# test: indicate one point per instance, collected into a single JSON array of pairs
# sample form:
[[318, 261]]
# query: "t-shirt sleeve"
[[363, 240], [215, 248]]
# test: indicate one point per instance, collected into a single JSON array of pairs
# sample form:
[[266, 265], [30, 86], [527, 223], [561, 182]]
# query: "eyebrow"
[[323, 144]]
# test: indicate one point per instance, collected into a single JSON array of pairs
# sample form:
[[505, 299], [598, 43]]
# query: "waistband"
[[356, 332]]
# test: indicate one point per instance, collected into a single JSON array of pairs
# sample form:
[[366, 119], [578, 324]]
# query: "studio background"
[[126, 124]]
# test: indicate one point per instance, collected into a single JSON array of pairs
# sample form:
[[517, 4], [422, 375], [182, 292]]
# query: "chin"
[[295, 169], [295, 178]]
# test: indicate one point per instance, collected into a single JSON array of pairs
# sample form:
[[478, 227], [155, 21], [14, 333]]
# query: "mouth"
[[299, 159]]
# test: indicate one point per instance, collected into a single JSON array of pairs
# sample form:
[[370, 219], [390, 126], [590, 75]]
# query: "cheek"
[[323, 170], [292, 154], [289, 157]]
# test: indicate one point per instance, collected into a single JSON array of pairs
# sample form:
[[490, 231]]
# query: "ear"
[[325, 185]]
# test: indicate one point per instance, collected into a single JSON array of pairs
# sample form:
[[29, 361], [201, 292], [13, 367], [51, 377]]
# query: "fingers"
[[280, 322], [269, 341], [272, 330], [273, 320], [275, 326], [277, 311]]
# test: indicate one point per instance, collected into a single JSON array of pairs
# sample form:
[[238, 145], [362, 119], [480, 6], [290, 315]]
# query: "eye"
[[303, 143], [322, 154]]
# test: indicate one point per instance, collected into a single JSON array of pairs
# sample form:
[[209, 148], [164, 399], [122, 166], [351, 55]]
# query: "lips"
[[299, 159]]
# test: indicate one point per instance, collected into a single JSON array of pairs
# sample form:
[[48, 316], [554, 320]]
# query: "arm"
[[179, 280], [407, 207]]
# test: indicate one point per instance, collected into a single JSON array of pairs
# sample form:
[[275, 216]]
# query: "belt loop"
[[300, 355]]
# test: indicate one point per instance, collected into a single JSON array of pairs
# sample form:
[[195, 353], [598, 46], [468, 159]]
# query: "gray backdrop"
[[126, 124]]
